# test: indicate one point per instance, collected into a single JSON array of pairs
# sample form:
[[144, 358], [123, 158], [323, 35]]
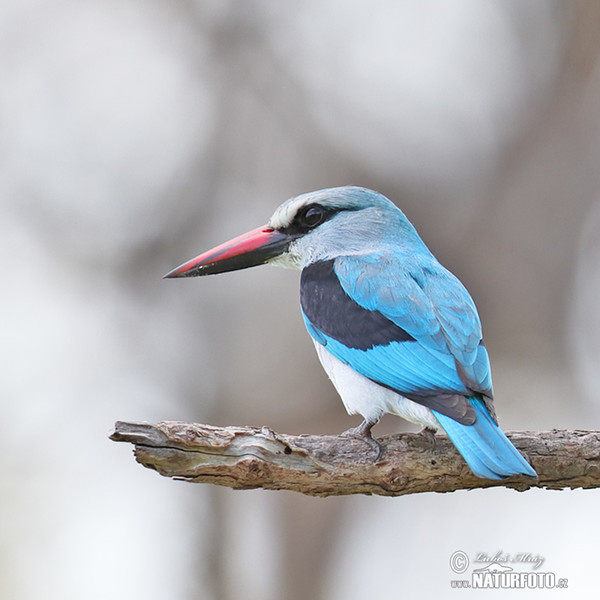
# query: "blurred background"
[[136, 134]]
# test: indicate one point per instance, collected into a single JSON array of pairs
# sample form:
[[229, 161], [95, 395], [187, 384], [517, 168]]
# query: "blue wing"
[[408, 324], [401, 329], [429, 303]]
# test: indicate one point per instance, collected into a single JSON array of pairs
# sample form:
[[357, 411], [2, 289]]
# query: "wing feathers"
[[415, 332], [330, 310]]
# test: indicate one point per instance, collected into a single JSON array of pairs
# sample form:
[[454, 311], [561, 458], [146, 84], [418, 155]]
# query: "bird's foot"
[[363, 432], [429, 433]]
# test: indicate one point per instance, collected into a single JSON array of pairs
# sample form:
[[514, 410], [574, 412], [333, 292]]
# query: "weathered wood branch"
[[322, 465]]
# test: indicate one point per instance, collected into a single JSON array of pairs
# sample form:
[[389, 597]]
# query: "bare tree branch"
[[320, 465]]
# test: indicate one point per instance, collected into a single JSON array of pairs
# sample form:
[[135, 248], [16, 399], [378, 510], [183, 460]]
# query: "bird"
[[395, 331]]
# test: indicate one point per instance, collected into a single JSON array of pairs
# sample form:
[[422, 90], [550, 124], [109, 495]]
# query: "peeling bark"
[[324, 465]]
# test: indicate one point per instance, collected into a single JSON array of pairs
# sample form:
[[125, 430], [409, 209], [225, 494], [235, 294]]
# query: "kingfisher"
[[395, 331]]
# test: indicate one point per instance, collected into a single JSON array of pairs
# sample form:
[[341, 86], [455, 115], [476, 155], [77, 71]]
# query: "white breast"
[[364, 397]]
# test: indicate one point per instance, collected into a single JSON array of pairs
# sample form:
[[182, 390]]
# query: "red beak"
[[248, 250]]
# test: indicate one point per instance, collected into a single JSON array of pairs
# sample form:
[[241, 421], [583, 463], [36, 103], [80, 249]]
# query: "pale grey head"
[[340, 221]]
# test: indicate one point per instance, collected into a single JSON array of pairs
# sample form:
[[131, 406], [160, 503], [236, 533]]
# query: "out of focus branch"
[[319, 465]]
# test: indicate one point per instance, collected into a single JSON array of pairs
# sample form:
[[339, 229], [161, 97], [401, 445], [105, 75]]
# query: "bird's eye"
[[314, 215]]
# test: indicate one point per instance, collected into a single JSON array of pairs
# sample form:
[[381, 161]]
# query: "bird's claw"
[[363, 432], [429, 433]]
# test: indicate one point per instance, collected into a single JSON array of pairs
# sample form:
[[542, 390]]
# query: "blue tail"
[[488, 452]]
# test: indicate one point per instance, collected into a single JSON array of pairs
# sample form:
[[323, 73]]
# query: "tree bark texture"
[[325, 465]]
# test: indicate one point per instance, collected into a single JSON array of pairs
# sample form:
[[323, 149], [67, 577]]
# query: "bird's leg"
[[363, 431], [429, 433]]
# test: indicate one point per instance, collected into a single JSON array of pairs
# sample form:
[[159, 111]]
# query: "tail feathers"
[[483, 445]]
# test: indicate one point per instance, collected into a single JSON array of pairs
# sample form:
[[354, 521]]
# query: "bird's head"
[[316, 226]]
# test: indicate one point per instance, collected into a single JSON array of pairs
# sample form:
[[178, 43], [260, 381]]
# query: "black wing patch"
[[455, 406], [331, 311], [327, 306]]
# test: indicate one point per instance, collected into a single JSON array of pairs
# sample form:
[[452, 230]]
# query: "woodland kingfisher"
[[395, 331]]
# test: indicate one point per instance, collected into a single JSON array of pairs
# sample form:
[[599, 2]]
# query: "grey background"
[[136, 134]]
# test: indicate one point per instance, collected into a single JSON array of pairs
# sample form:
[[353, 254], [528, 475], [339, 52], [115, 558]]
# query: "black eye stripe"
[[309, 217]]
